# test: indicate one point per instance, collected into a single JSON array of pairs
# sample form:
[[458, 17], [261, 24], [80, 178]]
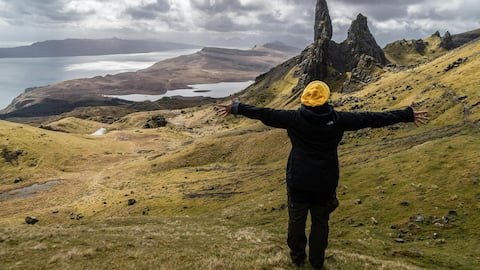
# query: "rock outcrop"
[[360, 41], [359, 52], [31, 220], [323, 23], [447, 42], [156, 121], [419, 46], [367, 70], [359, 56], [313, 61]]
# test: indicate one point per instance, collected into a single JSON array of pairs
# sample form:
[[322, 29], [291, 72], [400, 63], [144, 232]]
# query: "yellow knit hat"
[[315, 94]]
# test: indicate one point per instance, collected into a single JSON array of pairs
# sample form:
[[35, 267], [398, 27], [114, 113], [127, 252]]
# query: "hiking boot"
[[299, 263]]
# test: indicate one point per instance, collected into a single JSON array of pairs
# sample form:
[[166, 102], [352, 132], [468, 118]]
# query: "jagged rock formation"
[[447, 42], [323, 23], [419, 46], [346, 55], [313, 61], [359, 47], [359, 56]]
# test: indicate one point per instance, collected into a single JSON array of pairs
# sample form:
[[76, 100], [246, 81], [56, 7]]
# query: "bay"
[[215, 90], [18, 74]]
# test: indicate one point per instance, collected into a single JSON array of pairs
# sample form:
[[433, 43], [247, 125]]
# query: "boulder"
[[18, 180], [131, 201], [31, 220], [156, 121]]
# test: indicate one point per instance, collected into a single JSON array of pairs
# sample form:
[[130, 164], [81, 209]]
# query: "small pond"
[[28, 191]]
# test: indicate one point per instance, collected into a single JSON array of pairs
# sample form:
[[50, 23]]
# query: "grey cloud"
[[219, 6], [377, 2], [220, 16], [271, 23], [375, 10], [150, 11], [398, 9], [286, 20], [223, 23], [47, 11]]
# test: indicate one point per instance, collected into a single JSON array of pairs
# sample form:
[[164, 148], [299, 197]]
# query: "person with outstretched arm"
[[315, 131]]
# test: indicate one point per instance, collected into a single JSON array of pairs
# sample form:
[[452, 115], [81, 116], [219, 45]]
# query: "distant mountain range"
[[84, 47]]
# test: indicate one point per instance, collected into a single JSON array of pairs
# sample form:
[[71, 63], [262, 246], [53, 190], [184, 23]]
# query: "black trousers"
[[320, 209]]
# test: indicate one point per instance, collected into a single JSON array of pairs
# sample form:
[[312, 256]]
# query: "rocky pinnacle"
[[314, 59]]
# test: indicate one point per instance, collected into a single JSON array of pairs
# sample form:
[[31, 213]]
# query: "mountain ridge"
[[412, 52], [88, 47]]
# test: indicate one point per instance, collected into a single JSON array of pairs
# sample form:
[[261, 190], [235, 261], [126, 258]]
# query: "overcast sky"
[[227, 22]]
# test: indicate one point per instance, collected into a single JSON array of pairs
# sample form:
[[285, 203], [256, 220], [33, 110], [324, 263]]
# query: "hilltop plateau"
[[413, 52], [181, 188]]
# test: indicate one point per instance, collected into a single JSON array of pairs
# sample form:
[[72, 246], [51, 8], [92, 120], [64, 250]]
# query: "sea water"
[[215, 90], [18, 74]]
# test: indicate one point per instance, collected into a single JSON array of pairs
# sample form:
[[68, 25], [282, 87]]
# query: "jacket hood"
[[320, 115]]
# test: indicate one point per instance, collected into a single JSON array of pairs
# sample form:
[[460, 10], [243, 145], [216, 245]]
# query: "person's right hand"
[[225, 109]]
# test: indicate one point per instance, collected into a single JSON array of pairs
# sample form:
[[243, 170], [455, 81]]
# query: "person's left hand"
[[420, 117]]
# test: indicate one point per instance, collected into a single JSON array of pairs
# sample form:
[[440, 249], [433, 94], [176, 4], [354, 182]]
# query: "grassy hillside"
[[210, 192], [411, 52]]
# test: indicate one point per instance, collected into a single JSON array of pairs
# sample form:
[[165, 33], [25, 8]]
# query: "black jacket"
[[315, 133]]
